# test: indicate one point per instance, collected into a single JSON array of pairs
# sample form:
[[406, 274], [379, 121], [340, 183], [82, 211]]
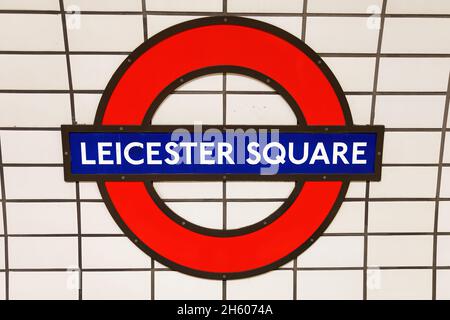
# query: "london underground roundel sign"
[[125, 154]]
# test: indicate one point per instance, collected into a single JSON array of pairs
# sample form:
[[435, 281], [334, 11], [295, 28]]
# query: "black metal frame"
[[69, 177]]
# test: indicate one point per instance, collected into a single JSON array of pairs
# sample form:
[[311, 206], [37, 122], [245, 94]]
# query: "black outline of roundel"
[[233, 20]]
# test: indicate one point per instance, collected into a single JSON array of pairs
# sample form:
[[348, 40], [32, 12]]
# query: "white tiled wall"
[[381, 247]]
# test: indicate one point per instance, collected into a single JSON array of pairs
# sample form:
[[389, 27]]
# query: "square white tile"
[[343, 6], [444, 216], [443, 256], [330, 284], [85, 66], [356, 189], [111, 285], [445, 183], [2, 286], [334, 251], [447, 148], [28, 146], [26, 110], [29, 5], [96, 219], [86, 107], [107, 33], [189, 190], [104, 5], [89, 191], [401, 216], [293, 25], [45, 35], [341, 35], [413, 74], [259, 190], [205, 214], [418, 6], [272, 285], [170, 285], [411, 147], [189, 109], [157, 23], [429, 31], [2, 253], [353, 74], [350, 218], [192, 5], [111, 253], [443, 285], [2, 229], [42, 218], [360, 107], [402, 285], [259, 110], [400, 251], [421, 111], [265, 6], [43, 285], [43, 252], [26, 183], [405, 182], [242, 214], [33, 72]]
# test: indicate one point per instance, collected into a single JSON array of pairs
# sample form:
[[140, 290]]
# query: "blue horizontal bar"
[[152, 153]]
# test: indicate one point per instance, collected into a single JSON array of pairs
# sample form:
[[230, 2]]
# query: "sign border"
[[69, 177]]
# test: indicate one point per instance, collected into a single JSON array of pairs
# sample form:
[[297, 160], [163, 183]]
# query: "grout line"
[[152, 263], [152, 277], [137, 269], [295, 274], [224, 183], [299, 14], [354, 199], [94, 91], [326, 234], [213, 92], [322, 54], [50, 91], [372, 120], [438, 190], [144, 20], [351, 199], [225, 6], [304, 17], [303, 38], [214, 13], [5, 223], [73, 114]]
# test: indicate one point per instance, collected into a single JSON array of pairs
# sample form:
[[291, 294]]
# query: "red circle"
[[215, 45]]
